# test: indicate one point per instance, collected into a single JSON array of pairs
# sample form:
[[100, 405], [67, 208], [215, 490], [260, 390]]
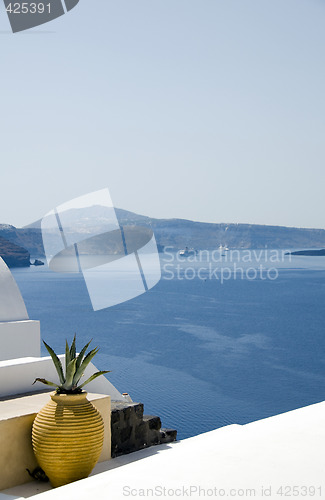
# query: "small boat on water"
[[187, 252], [37, 262]]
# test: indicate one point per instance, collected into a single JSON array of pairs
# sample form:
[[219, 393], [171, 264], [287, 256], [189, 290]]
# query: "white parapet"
[[17, 377], [19, 339]]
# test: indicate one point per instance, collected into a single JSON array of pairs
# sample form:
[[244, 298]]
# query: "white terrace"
[[281, 456]]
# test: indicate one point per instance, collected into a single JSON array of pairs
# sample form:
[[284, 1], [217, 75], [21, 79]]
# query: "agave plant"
[[75, 366]]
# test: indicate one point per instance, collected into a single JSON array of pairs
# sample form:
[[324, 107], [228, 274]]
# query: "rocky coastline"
[[14, 255]]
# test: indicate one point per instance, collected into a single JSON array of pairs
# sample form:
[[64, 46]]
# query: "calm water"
[[198, 353]]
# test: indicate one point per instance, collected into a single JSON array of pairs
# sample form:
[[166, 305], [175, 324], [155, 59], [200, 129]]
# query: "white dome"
[[12, 305]]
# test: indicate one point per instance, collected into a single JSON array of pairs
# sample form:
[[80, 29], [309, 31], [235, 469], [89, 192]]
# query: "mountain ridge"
[[175, 233]]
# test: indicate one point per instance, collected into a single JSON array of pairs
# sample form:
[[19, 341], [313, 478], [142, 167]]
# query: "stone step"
[[152, 429], [168, 435], [122, 412], [133, 431], [154, 423]]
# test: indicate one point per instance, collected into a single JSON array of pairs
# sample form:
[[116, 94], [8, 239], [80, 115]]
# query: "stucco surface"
[[12, 305]]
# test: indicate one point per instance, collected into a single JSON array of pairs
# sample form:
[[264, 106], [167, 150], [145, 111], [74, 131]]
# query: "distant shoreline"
[[313, 253]]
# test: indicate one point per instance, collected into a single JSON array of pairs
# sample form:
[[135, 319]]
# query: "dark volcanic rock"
[[31, 239], [14, 255], [133, 431]]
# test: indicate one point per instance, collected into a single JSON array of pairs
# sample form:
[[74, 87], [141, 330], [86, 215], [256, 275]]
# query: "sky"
[[210, 110]]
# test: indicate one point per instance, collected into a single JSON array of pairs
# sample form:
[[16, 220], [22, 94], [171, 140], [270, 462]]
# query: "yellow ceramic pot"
[[68, 435]]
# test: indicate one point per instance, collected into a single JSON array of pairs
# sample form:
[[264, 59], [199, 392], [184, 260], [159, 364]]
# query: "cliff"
[[29, 238], [14, 255]]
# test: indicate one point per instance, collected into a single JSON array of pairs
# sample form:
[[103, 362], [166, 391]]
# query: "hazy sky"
[[210, 110]]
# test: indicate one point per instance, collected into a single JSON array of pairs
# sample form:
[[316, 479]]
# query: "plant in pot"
[[68, 433]]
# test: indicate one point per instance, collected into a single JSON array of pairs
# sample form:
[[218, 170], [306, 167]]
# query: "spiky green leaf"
[[56, 361], [67, 355], [84, 364], [46, 382], [81, 355], [95, 375], [69, 375], [73, 348], [74, 368], [89, 357]]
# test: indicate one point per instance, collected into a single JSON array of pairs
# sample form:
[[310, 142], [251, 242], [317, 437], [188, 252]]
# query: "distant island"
[[314, 253], [176, 234]]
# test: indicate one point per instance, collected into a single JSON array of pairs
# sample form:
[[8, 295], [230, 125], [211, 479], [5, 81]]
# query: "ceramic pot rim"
[[65, 398]]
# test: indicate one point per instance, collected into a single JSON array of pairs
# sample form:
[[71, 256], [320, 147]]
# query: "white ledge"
[[18, 375], [285, 450]]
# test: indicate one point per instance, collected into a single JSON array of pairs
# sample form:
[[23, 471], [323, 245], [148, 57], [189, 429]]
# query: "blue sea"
[[200, 350]]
